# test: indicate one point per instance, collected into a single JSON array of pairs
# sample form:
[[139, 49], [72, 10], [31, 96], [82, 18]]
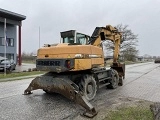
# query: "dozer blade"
[[64, 86]]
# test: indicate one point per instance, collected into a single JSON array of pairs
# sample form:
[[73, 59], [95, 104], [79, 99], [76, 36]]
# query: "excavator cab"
[[73, 37]]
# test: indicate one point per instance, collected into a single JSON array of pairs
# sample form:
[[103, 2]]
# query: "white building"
[[13, 34]]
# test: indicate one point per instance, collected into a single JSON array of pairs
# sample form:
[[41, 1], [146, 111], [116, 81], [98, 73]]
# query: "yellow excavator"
[[76, 68]]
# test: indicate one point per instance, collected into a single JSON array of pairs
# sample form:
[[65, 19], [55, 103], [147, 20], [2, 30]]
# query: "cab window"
[[68, 40], [81, 39]]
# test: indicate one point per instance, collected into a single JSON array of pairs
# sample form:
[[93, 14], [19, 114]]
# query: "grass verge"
[[130, 113], [20, 74], [29, 61], [130, 62], [109, 62]]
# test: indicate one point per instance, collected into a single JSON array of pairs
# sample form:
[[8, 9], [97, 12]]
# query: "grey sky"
[[54, 16]]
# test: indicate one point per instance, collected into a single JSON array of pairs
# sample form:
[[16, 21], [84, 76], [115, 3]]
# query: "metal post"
[[5, 42], [19, 51], [39, 37]]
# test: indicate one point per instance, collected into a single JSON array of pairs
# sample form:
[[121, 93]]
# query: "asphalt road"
[[142, 81]]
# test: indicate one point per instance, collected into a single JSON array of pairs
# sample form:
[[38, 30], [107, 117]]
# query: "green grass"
[[109, 62], [29, 61], [130, 113], [130, 62], [20, 74]]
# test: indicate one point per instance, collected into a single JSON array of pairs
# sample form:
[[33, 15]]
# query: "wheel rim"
[[90, 90], [88, 87], [115, 81]]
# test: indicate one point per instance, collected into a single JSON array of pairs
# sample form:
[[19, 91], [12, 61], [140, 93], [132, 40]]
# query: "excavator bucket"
[[64, 86], [157, 60], [120, 68]]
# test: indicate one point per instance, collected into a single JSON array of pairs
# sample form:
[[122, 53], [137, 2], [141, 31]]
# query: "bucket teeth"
[[90, 113], [32, 86], [27, 92], [90, 110], [63, 86]]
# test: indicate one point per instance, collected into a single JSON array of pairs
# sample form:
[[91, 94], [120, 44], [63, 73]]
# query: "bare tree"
[[129, 53], [128, 45], [30, 56]]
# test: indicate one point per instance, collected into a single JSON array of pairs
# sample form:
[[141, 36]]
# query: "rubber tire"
[[120, 81], [115, 80], [8, 70], [14, 68], [86, 80]]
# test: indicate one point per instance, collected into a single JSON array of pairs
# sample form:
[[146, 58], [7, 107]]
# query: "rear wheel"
[[14, 68], [88, 86], [9, 70], [120, 81], [114, 81]]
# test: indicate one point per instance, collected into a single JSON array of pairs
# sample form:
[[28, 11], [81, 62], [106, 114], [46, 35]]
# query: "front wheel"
[[88, 87], [114, 80], [120, 81], [9, 70]]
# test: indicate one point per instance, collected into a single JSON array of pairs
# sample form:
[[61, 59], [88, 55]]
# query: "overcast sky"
[[54, 16]]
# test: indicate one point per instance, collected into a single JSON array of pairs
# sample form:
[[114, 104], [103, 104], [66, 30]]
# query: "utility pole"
[[39, 37], [5, 43]]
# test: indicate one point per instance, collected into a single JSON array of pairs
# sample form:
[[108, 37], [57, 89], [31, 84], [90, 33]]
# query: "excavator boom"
[[112, 34], [107, 33]]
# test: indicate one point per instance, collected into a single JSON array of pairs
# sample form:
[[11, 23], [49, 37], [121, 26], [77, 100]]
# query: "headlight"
[[79, 56], [93, 56]]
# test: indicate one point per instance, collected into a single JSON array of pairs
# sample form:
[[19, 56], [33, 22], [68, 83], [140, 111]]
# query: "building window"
[[8, 55], [1, 55], [2, 43], [9, 42]]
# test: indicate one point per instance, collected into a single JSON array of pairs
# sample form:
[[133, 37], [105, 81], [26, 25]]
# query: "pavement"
[[24, 67], [141, 83]]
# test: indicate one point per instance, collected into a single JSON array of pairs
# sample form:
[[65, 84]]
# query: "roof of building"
[[11, 15]]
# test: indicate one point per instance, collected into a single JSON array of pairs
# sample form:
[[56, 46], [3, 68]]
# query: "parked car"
[[157, 60], [2, 58], [7, 64]]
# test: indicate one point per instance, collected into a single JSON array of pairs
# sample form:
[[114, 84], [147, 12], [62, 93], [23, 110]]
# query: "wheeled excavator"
[[76, 68]]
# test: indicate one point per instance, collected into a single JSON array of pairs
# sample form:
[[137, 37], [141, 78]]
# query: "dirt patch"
[[114, 104]]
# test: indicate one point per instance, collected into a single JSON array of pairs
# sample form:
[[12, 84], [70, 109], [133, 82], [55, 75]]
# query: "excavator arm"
[[110, 33], [107, 33]]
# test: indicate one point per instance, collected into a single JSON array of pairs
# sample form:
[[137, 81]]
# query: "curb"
[[19, 78]]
